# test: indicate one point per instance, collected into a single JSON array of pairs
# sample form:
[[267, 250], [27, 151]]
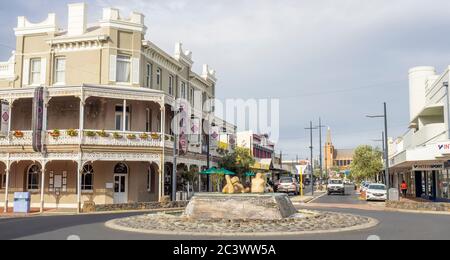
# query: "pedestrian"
[[404, 188]]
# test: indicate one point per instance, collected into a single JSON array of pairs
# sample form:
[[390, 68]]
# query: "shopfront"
[[429, 182], [443, 181]]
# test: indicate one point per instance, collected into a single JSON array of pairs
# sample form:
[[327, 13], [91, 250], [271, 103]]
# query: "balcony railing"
[[88, 137], [116, 138], [106, 138], [17, 138], [7, 69]]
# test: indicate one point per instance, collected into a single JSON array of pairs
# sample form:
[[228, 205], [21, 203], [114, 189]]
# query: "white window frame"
[[32, 72], [159, 77], [171, 78], [192, 96], [58, 81], [37, 185], [128, 114], [183, 92], [125, 59], [148, 79], [83, 176]]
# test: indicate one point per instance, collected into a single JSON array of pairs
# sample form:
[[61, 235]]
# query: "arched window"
[[87, 178], [33, 177], [121, 168]]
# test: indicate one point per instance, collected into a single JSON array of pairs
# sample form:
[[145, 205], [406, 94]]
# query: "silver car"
[[288, 185]]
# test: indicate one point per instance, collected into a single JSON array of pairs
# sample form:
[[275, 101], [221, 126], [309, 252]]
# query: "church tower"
[[329, 152]]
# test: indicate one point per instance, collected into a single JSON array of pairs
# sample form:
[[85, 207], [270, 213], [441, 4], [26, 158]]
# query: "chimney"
[[77, 19]]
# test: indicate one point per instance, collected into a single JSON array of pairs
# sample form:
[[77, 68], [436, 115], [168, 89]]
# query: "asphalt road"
[[393, 225]]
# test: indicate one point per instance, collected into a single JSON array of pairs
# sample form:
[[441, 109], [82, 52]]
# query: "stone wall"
[[140, 206], [419, 206]]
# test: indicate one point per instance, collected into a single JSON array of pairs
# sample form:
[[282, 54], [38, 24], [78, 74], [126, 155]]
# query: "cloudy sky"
[[338, 60]]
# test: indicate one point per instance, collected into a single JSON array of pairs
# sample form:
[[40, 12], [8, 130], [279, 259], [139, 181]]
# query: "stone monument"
[[250, 206]]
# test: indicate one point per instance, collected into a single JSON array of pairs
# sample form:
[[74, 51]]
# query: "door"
[[120, 188]]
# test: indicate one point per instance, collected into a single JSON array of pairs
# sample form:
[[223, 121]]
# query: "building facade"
[[262, 149], [420, 157], [87, 112], [336, 159]]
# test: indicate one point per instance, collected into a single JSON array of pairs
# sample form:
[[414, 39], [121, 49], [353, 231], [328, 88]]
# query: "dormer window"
[[123, 69]]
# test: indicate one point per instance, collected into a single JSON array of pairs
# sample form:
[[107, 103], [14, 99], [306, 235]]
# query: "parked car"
[[376, 192], [288, 185], [336, 186]]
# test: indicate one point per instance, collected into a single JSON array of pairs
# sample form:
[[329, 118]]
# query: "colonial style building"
[[337, 158], [87, 112]]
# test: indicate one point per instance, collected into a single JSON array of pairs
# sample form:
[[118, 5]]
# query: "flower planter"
[[131, 137], [18, 134], [143, 136], [72, 133], [103, 134], [90, 134], [55, 134], [117, 136]]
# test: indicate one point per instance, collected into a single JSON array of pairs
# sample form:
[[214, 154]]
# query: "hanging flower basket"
[[90, 134], [131, 137], [117, 136], [72, 133], [18, 134], [143, 136], [55, 133], [103, 134], [155, 136]]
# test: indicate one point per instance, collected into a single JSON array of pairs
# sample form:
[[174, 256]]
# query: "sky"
[[338, 60]]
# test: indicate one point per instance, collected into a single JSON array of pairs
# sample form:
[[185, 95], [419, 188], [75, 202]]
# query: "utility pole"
[[208, 166], [386, 146], [311, 128], [320, 126]]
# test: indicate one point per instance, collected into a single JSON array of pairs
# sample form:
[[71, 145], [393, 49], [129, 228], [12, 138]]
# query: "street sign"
[[4, 118]]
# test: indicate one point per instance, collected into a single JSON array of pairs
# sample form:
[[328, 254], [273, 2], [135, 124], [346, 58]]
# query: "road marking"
[[74, 237], [316, 198], [373, 238]]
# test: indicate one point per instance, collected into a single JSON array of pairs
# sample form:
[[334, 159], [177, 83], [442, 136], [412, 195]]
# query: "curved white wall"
[[418, 77]]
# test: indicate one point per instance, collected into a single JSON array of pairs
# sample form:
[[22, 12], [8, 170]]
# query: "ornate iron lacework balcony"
[[89, 137]]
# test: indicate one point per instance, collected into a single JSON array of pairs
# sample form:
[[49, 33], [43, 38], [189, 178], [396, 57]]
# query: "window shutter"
[[135, 70], [112, 68], [26, 72], [43, 70]]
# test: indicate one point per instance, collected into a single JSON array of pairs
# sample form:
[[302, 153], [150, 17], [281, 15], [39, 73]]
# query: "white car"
[[336, 186], [376, 192]]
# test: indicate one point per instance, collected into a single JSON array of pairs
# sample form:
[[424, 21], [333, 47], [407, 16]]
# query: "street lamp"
[[386, 145], [382, 142]]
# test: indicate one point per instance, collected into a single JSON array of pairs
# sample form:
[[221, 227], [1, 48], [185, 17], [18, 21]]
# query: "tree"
[[239, 161], [367, 163]]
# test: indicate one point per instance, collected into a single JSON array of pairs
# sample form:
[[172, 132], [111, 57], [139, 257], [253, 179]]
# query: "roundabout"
[[242, 215], [303, 223]]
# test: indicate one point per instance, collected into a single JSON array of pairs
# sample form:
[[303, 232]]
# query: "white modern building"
[[421, 155]]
